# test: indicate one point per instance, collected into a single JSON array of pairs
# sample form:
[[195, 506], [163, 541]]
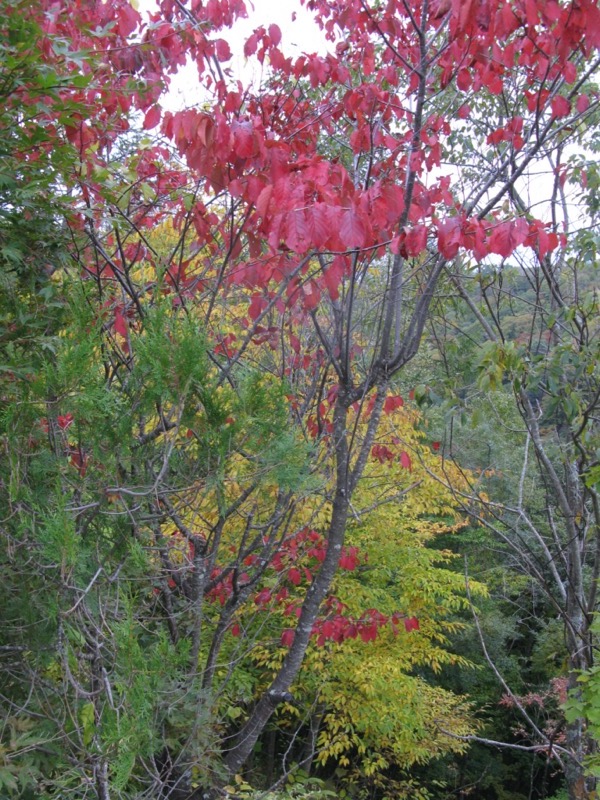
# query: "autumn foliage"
[[212, 462]]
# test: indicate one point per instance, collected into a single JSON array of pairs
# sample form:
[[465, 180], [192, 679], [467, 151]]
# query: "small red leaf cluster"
[[337, 626], [511, 132], [383, 454], [391, 403], [77, 456]]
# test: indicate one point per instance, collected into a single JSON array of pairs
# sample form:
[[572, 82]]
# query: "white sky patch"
[[300, 34]]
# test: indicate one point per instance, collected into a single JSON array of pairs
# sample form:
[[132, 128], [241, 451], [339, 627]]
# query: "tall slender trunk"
[[316, 594], [580, 786]]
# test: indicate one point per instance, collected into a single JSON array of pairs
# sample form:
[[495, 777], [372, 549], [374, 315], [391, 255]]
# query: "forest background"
[[299, 390]]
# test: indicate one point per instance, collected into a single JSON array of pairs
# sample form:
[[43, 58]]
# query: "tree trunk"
[[316, 594]]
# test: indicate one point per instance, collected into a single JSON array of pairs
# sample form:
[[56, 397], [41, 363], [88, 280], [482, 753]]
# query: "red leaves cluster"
[[484, 237], [263, 149], [304, 551], [538, 36], [294, 561], [103, 81], [338, 627], [387, 454]]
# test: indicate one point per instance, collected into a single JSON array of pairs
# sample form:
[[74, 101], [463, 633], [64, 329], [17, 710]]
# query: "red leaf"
[[570, 72], [294, 343], [311, 295], [205, 130], [497, 136], [352, 230], [532, 11], [405, 460], [368, 633], [243, 135], [318, 70], [318, 553], [547, 243], [349, 559], [411, 624], [274, 34], [235, 629], [263, 597], [257, 306], [282, 595], [492, 81], [560, 107], [463, 13], [463, 79], [515, 127], [297, 236], [65, 421], [262, 202], [320, 227], [507, 236], [449, 231], [287, 637], [382, 453], [416, 240], [500, 242], [222, 50], [152, 117], [250, 45], [351, 631], [439, 8], [583, 103], [333, 275], [295, 576], [120, 322], [474, 238], [435, 446], [128, 19]]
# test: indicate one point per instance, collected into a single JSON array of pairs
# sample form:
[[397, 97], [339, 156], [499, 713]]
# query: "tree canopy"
[[252, 354]]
